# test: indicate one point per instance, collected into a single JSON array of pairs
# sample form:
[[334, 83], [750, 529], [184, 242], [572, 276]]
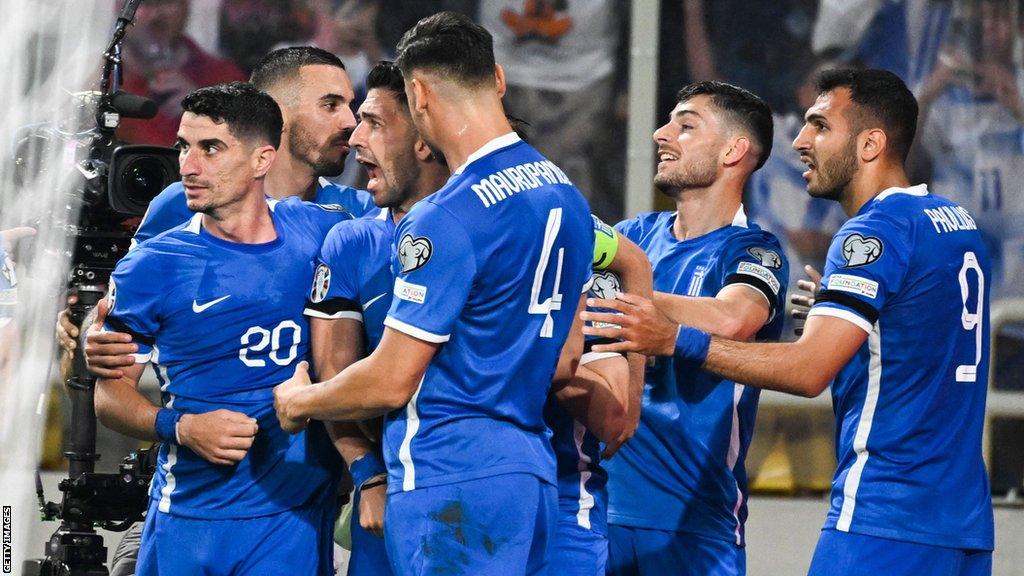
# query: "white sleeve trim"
[[588, 284], [392, 322], [589, 357], [844, 314], [143, 358], [343, 315]]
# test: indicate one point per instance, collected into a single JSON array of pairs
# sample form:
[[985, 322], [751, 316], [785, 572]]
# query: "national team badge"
[[413, 253], [321, 283], [768, 258], [861, 251], [605, 285]]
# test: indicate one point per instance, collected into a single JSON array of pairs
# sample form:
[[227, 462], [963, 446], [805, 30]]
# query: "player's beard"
[[835, 173], [303, 145], [698, 173]]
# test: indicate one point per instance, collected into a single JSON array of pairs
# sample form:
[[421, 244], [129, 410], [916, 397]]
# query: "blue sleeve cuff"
[[167, 425], [366, 467], [692, 344]]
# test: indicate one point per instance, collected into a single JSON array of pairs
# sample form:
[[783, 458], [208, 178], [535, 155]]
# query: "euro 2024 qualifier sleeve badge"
[[413, 253]]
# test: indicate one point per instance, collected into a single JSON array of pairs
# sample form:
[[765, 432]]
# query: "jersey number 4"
[[972, 321], [257, 339], [555, 301]]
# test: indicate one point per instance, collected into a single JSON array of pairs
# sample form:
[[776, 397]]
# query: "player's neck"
[[289, 176], [246, 221], [867, 184], [703, 210], [467, 127]]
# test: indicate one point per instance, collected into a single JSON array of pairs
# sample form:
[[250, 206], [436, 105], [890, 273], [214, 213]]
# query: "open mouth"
[[372, 170], [810, 166], [664, 156]]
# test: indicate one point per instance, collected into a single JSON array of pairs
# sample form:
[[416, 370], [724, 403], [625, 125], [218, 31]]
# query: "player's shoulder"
[[643, 224], [295, 207], [359, 231], [358, 202]]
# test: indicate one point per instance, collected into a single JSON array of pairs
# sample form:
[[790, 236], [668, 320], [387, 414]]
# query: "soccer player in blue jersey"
[[901, 331], [216, 305], [314, 93], [351, 291], [489, 270], [677, 491]]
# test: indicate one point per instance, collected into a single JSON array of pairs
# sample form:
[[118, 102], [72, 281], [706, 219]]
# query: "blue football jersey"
[[222, 324], [492, 266], [353, 276], [911, 270], [170, 208], [683, 470]]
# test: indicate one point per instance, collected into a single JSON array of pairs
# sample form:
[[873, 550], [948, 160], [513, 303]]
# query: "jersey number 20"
[[971, 320], [258, 338]]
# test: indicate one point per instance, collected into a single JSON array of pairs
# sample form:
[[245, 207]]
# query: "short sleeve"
[[756, 260], [606, 244], [434, 266], [866, 264], [168, 209], [335, 290], [603, 284], [135, 300]]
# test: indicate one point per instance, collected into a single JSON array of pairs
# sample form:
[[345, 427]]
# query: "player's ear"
[[872, 142], [262, 158], [738, 149], [422, 151], [499, 80], [420, 90]]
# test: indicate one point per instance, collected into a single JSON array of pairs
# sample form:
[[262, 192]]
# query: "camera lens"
[[143, 178]]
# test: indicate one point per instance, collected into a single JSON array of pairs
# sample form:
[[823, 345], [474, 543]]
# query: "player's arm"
[[336, 344], [805, 367], [221, 437], [383, 381], [737, 312]]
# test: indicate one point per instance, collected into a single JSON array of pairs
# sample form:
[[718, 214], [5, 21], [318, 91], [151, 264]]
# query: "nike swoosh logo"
[[198, 308], [372, 300]]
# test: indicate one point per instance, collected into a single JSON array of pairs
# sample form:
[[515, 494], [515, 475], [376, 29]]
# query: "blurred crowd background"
[[567, 67]]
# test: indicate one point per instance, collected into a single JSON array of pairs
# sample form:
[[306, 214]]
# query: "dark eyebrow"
[[678, 115], [363, 115], [333, 97], [213, 142], [812, 116]]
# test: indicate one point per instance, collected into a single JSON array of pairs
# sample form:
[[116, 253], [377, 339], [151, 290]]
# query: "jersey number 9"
[[971, 320]]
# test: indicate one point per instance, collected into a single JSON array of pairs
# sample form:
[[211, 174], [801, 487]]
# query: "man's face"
[[162, 21], [319, 118], [384, 141], [828, 145], [216, 168], [688, 147]]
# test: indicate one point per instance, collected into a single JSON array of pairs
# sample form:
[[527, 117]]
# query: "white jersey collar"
[[919, 190], [496, 144], [740, 219]]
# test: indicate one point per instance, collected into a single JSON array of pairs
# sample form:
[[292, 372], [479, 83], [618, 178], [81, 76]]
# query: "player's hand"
[[67, 331], [371, 509], [107, 352], [283, 394], [802, 303], [220, 437], [641, 327]]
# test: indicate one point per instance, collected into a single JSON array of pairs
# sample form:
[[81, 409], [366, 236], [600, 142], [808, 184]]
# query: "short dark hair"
[[284, 64], [450, 44], [881, 98], [740, 107], [249, 113], [386, 76]]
